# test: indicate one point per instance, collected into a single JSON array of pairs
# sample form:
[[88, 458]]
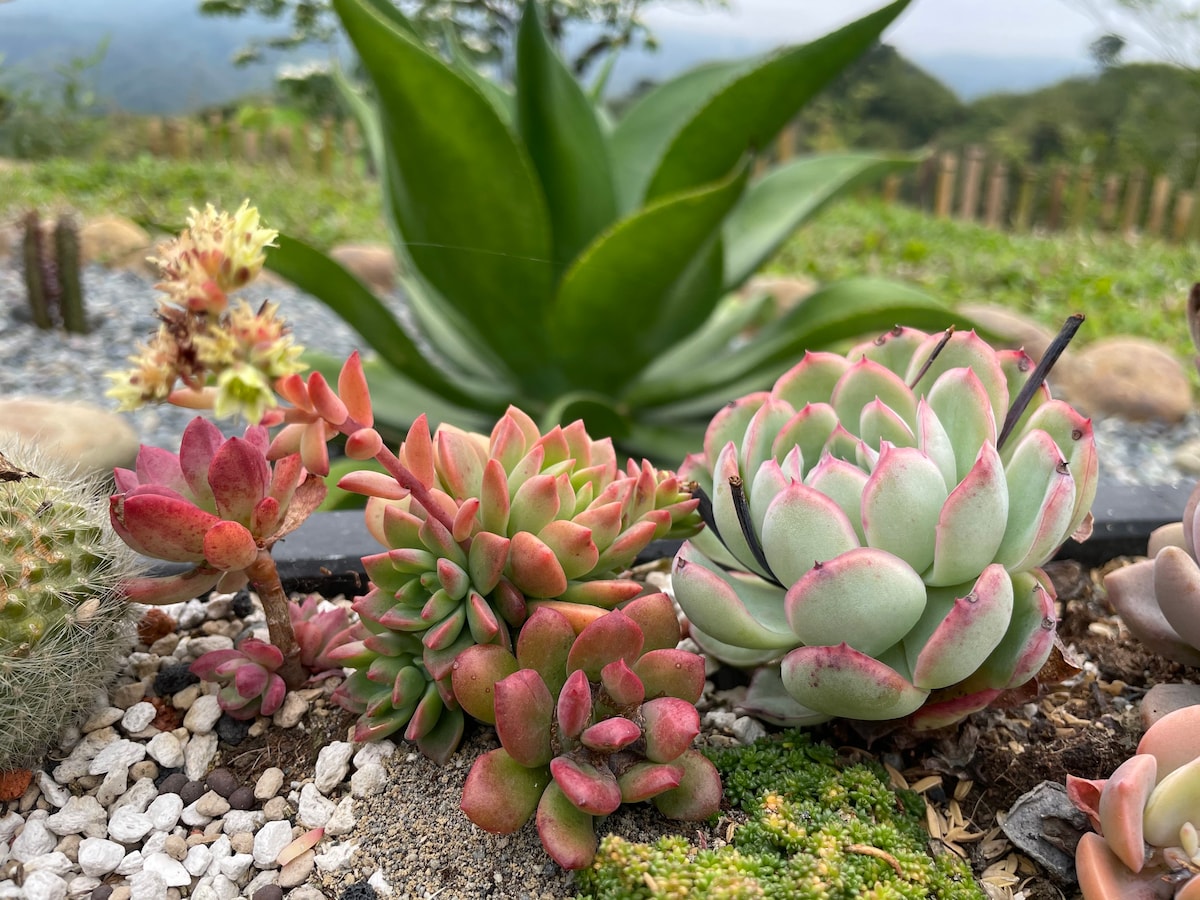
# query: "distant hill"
[[164, 57]]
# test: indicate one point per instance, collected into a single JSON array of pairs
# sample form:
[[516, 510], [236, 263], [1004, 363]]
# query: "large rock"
[[116, 242], [372, 264], [786, 290], [1127, 378], [1012, 330], [78, 433]]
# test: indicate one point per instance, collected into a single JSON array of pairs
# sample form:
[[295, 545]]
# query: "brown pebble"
[[13, 783], [192, 791], [269, 892], [242, 798], [222, 781], [101, 892], [173, 783], [242, 842]]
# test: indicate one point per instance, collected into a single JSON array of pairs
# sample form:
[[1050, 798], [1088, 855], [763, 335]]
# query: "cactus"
[[52, 275], [64, 617]]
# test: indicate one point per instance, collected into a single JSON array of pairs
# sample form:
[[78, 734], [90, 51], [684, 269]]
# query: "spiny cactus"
[[52, 274], [64, 617]]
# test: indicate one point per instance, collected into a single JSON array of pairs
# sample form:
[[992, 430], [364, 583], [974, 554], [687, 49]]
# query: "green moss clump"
[[817, 831]]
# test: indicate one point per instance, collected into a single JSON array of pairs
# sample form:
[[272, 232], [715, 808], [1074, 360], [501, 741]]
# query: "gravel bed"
[[122, 304]]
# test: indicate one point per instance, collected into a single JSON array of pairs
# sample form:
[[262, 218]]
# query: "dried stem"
[[265, 579]]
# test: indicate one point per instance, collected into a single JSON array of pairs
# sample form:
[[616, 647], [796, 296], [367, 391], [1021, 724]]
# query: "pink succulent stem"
[[265, 578]]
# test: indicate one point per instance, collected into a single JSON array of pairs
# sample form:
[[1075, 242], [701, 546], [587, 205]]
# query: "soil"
[[1082, 720]]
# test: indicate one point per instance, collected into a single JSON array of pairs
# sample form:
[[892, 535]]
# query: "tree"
[[481, 27], [1168, 29], [1106, 50]]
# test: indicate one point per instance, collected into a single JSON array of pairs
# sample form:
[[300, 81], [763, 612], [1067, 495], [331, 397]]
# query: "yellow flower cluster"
[[227, 357]]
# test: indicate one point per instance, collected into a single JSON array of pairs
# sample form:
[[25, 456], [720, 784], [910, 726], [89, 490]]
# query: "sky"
[[1051, 28]]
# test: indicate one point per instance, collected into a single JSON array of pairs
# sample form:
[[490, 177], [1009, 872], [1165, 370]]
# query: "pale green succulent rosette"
[[876, 530]]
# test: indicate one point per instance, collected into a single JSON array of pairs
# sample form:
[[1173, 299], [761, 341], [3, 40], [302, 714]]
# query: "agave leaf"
[[643, 134], [461, 189], [559, 127], [627, 275], [778, 203], [749, 110]]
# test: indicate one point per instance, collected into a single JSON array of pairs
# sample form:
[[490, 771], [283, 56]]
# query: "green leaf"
[[785, 198], [618, 299], [502, 100], [750, 111], [643, 134], [840, 311], [559, 126], [462, 191], [733, 314], [317, 274]]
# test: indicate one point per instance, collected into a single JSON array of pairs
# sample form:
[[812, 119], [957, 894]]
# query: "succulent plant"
[[876, 524], [248, 675], [318, 631], [64, 617], [532, 518], [586, 722], [1146, 817]]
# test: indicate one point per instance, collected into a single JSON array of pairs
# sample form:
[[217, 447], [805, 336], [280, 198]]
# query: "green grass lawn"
[[1136, 287]]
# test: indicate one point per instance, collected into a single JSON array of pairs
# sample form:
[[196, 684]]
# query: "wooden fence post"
[[155, 141], [213, 137], [283, 144], [993, 215], [1080, 198], [944, 198], [1132, 207], [325, 159], [1181, 225], [970, 189], [1159, 195], [891, 189], [177, 139], [350, 148], [1024, 213], [1112, 197], [785, 146]]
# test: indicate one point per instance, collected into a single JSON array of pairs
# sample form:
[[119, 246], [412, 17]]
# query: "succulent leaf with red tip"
[[248, 677], [876, 524], [1146, 816], [533, 519], [606, 740]]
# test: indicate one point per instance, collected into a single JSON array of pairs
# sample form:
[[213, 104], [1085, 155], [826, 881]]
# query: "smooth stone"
[[222, 781], [242, 798], [129, 694], [138, 717], [198, 646], [260, 881], [171, 871], [374, 264], [128, 826], [45, 885], [102, 718], [56, 794], [68, 845], [34, 839], [1013, 330], [164, 811], [115, 241], [115, 783], [203, 714], [10, 825], [197, 859], [333, 762], [99, 856], [306, 892], [268, 784], [75, 432], [212, 805], [1166, 698], [297, 870], [1128, 378], [291, 712], [271, 839], [165, 749], [236, 821], [235, 866]]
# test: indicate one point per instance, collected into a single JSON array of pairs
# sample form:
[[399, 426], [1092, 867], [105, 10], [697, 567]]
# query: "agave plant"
[[1146, 817], [532, 518], [876, 524], [585, 724], [533, 232]]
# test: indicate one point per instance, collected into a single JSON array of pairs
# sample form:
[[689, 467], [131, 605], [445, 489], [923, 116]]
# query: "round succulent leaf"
[[447, 631], [670, 672], [474, 675], [807, 432], [611, 637], [865, 381], [407, 689], [524, 717], [574, 709], [438, 606], [601, 594], [1027, 642], [238, 476], [439, 661], [962, 406], [1172, 805], [960, 627], [1041, 502], [534, 505], [866, 597], [1074, 436], [734, 607], [768, 482], [1123, 805], [644, 780], [655, 616], [425, 716], [740, 657], [458, 460], [482, 622], [698, 795], [949, 707], [572, 545], [727, 474], [1174, 740], [511, 437], [500, 794], [841, 681], [229, 546], [400, 527], [965, 350], [566, 831], [1102, 874], [768, 699], [375, 725], [1177, 592], [901, 503], [440, 742], [670, 725], [803, 527], [729, 424], [162, 526], [610, 735], [591, 789], [533, 567], [894, 349], [934, 441], [843, 483], [757, 444], [623, 687], [972, 522], [811, 380]]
